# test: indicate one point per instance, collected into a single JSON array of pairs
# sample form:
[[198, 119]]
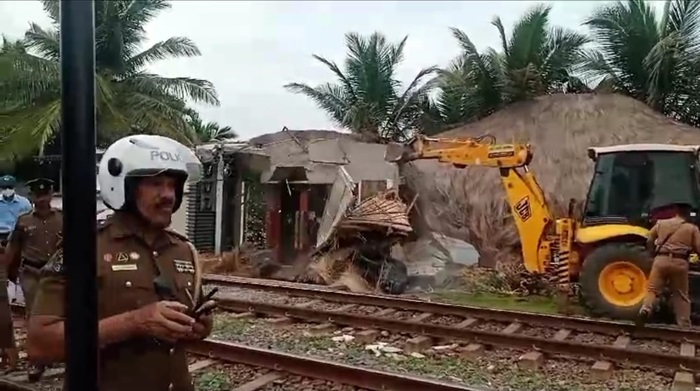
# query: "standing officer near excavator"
[[671, 241], [33, 241], [12, 206], [149, 280]]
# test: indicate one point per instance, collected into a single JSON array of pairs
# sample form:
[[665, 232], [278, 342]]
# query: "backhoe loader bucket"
[[394, 152], [401, 153]]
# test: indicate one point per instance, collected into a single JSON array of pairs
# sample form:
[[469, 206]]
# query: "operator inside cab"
[[149, 287]]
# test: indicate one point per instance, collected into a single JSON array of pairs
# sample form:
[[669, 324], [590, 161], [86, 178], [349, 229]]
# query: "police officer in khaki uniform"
[[141, 328], [33, 241], [671, 241]]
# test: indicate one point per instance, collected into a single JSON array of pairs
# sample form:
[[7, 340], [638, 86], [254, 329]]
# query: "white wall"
[[179, 222]]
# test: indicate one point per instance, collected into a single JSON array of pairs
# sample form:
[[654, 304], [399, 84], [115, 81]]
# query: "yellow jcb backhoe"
[[604, 252]]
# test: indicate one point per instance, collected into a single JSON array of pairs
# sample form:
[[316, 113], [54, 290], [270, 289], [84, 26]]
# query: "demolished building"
[[303, 167]]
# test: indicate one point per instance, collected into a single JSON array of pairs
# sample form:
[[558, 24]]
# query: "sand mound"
[[469, 203]]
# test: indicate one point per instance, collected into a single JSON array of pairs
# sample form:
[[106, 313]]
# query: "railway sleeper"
[[684, 380], [603, 369]]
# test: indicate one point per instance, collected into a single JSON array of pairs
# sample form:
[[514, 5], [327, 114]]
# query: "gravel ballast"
[[496, 369]]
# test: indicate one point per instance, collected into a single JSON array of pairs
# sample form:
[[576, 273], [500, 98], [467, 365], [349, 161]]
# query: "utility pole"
[[79, 195]]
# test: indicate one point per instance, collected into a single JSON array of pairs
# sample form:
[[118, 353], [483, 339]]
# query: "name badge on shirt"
[[125, 267]]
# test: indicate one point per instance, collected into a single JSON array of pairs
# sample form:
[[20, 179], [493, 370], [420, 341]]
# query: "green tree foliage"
[[129, 99], [209, 131], [651, 56], [367, 97], [536, 59]]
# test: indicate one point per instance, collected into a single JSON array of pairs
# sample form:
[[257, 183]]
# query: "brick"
[[418, 344], [366, 336], [421, 317], [243, 315], [279, 322], [512, 328], [531, 361], [472, 351], [384, 312], [469, 322], [601, 370], [322, 328], [683, 381]]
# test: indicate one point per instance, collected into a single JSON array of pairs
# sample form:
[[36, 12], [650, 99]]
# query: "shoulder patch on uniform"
[[177, 234], [102, 224]]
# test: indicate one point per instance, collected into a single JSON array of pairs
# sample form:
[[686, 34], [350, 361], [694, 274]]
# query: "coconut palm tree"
[[128, 97], [209, 131], [651, 56], [536, 59], [367, 97]]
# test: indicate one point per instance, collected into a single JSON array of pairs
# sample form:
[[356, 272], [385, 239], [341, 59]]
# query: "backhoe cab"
[[604, 252], [629, 183]]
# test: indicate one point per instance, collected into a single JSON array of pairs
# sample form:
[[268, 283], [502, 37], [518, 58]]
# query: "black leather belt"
[[672, 255], [34, 264]]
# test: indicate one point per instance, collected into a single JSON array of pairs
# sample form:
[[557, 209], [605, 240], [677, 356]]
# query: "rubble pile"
[[355, 241], [244, 261]]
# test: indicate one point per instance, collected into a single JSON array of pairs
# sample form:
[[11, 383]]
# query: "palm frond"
[[171, 48]]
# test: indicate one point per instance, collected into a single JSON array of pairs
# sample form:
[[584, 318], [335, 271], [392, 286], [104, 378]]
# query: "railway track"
[[363, 378], [427, 322], [279, 365]]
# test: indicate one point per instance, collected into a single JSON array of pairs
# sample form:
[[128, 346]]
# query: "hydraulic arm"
[[542, 251]]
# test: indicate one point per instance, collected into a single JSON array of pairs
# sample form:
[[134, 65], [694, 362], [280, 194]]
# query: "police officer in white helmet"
[[149, 280]]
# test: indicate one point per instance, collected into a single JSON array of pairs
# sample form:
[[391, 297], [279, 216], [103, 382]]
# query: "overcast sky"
[[251, 49]]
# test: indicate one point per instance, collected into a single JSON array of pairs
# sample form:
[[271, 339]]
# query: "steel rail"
[[605, 352], [300, 365], [658, 332], [8, 385], [319, 369]]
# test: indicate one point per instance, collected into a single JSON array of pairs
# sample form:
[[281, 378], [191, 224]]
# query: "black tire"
[[592, 267]]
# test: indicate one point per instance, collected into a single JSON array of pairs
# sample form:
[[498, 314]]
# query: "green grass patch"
[[539, 304], [213, 381], [226, 327]]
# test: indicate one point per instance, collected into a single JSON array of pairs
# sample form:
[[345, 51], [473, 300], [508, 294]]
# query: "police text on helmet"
[[166, 156]]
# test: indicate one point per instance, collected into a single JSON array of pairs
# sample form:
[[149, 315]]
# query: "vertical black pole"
[[79, 197]]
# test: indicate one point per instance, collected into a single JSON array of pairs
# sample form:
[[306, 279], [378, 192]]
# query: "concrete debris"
[[343, 338], [381, 348], [355, 239], [435, 260]]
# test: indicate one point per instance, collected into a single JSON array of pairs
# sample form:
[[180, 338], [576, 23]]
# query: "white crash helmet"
[[137, 156]]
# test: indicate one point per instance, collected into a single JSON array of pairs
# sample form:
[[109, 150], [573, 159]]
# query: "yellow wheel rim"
[[622, 283]]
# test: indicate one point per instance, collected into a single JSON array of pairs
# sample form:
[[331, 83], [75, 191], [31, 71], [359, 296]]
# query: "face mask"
[[7, 193]]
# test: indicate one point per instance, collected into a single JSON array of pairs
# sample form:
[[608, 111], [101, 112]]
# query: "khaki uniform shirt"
[[126, 268], [680, 237], [37, 237]]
